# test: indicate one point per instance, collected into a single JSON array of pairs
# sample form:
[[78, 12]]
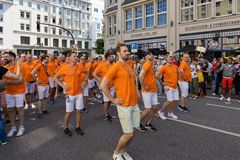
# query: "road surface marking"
[[221, 106]]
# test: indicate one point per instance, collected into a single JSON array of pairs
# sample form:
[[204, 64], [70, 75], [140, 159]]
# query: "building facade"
[[170, 25], [97, 22], [19, 31]]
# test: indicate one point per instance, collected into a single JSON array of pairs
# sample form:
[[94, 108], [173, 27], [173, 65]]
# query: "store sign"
[[212, 25], [212, 44]]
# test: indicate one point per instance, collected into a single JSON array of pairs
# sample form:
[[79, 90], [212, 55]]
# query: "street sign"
[[134, 47]]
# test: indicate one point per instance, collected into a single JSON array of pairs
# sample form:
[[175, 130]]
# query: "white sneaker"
[[20, 132], [26, 106], [228, 99], [222, 98], [172, 115], [161, 115], [117, 157], [12, 132], [126, 156], [33, 106], [214, 94]]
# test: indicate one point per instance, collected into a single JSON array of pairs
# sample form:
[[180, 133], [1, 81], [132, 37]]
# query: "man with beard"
[[99, 73], [15, 92], [123, 78], [149, 92], [71, 75], [183, 81]]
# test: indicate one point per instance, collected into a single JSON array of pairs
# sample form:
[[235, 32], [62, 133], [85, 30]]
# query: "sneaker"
[[149, 127], [26, 106], [67, 132], [228, 99], [45, 112], [161, 115], [183, 109], [33, 106], [52, 102], [141, 128], [117, 157], [214, 94], [79, 131], [20, 131], [98, 96], [126, 156], [7, 122], [108, 118], [12, 132], [172, 115], [3, 142], [84, 110], [222, 98]]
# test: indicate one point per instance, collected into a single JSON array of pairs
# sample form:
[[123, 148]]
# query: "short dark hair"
[[108, 54], [118, 48], [11, 54], [71, 53]]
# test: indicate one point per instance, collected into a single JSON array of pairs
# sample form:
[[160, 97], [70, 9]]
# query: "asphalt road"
[[211, 131]]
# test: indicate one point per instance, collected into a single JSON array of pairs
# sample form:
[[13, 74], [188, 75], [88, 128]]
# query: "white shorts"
[[43, 92], [86, 91], [171, 93], [52, 83], [184, 86], [74, 101], [105, 98], [91, 83], [150, 99], [15, 100], [30, 87]]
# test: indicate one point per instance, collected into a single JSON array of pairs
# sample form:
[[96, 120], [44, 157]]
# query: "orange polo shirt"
[[41, 74], [72, 78], [149, 78], [123, 79], [52, 67], [170, 75], [27, 70], [186, 69]]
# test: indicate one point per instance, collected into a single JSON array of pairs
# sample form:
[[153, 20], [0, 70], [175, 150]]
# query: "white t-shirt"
[[193, 71]]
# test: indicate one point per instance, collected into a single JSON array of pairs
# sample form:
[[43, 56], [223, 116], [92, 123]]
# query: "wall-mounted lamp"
[[171, 23]]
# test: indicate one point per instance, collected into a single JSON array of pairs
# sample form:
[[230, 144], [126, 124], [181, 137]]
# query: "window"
[[86, 45], [83, 16], [95, 10], [60, 21], [60, 32], [54, 9], [79, 44], [88, 17], [53, 19], [128, 19], [223, 7], [22, 14], [55, 43], [38, 6], [110, 25], [114, 24], [46, 18], [162, 12], [68, 22], [27, 15], [99, 35], [149, 15], [60, 11], [68, 12], [1, 29], [186, 10], [83, 26], [238, 5], [1, 18], [138, 17], [46, 8], [39, 29], [45, 41], [60, 1], [53, 30], [28, 27], [38, 40], [24, 40], [98, 26], [29, 4], [1, 7], [22, 27], [230, 40], [1, 41], [64, 43], [21, 2], [39, 17], [46, 29]]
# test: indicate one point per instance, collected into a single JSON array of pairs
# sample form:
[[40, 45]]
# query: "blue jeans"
[[3, 136], [217, 84]]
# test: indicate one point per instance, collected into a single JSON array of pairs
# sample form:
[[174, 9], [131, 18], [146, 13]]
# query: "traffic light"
[[38, 25]]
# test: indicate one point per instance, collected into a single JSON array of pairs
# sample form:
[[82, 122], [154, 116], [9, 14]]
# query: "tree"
[[99, 46]]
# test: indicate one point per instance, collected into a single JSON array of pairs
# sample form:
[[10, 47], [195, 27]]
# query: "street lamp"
[[38, 27]]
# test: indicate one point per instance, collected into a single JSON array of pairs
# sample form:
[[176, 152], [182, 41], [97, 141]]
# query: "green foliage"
[[66, 51], [99, 46]]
